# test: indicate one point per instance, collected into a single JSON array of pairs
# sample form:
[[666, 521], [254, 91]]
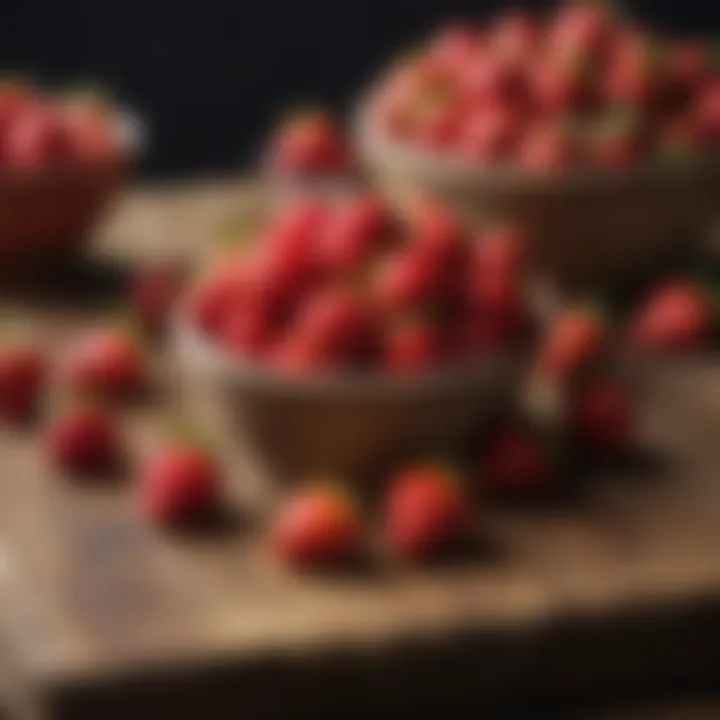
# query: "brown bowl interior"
[[585, 227]]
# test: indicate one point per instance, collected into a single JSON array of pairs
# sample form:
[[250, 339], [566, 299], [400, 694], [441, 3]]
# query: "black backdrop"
[[210, 75]]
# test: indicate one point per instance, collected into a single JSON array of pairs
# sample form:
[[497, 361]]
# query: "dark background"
[[209, 76]]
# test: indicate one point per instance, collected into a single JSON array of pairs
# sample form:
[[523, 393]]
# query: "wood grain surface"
[[101, 614]]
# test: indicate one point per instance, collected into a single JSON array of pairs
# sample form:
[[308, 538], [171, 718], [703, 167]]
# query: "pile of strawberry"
[[40, 130], [580, 88], [343, 285]]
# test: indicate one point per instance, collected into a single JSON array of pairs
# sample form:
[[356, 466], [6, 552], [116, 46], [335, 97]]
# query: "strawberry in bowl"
[[353, 332], [596, 134]]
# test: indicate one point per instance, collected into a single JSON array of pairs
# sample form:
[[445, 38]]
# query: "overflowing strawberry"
[[344, 284], [41, 130], [541, 93]]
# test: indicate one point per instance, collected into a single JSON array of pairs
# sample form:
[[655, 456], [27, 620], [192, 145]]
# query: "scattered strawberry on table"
[[581, 87], [85, 440], [317, 526]]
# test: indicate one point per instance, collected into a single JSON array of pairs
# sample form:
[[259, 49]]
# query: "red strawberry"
[[674, 318], [707, 113], [338, 328], [222, 291], [317, 527], [106, 362], [438, 237], [309, 144], [22, 375], [515, 36], [500, 252], [84, 440], [472, 334], [426, 512], [616, 142], [455, 44], [412, 346], [408, 280], [501, 303], [247, 332], [581, 26], [14, 98], [563, 84], [93, 138], [514, 465], [546, 148], [491, 135], [37, 136], [491, 79], [180, 483], [577, 340], [687, 69], [602, 418], [438, 126], [354, 232], [153, 292], [634, 73]]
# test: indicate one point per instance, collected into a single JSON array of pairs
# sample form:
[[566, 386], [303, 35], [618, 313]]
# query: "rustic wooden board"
[[619, 583]]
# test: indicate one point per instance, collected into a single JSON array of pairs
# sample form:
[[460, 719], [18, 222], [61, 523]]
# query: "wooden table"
[[104, 616]]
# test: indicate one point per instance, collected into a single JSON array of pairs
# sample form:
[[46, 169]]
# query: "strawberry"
[[581, 26], [179, 483], [615, 143], [22, 376], [317, 526], [438, 238], [411, 347], [634, 76], [217, 295], [688, 69], [499, 252], [153, 292], [247, 332], [84, 440], [472, 334], [309, 144], [93, 138], [408, 280], [545, 148], [577, 340], [36, 137], [514, 465], [338, 328], [602, 418], [353, 233], [491, 79], [515, 36], [455, 44], [562, 85], [490, 136], [14, 99], [501, 303], [674, 318], [426, 512], [707, 113], [106, 361]]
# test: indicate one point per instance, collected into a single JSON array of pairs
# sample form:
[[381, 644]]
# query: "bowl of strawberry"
[[62, 157], [595, 133], [343, 334]]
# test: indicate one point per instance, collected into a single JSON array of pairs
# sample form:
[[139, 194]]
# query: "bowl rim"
[[202, 356], [447, 168]]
